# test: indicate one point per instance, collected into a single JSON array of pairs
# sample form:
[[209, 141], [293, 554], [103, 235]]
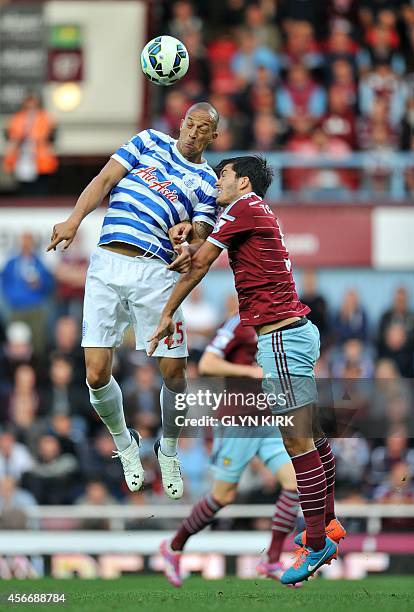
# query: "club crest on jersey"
[[190, 181], [149, 177]]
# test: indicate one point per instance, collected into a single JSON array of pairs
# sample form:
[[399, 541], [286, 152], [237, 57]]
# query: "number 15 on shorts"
[[178, 336]]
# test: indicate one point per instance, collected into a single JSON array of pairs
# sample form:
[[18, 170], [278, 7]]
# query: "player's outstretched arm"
[[90, 198], [212, 364], [201, 263]]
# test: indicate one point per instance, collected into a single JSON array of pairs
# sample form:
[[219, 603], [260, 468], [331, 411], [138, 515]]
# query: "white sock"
[[107, 402], [170, 430]]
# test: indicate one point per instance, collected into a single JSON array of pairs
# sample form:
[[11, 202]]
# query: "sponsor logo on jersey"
[[148, 175]]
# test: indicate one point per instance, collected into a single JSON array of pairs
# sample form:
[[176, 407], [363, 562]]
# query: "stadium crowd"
[[54, 449], [312, 77]]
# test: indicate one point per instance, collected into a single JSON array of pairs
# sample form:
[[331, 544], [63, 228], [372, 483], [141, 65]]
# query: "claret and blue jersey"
[[160, 189]]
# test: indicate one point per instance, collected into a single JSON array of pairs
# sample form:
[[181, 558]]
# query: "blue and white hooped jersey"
[[160, 189]]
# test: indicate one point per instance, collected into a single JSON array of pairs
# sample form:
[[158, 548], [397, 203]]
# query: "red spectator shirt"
[[234, 342], [262, 270]]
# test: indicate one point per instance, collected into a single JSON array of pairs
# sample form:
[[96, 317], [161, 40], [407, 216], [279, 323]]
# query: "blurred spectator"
[[266, 131], [197, 80], [224, 142], [339, 120], [377, 120], [176, 105], [184, 20], [330, 180], [353, 361], [383, 82], [141, 394], [15, 459], [395, 451], [220, 53], [13, 504], [313, 146], [392, 395], [61, 395], [398, 346], [15, 351], [29, 154], [195, 462], [311, 296], [341, 46], [26, 285], [352, 456], [66, 342], [342, 78], [399, 312], [301, 47], [407, 127], [24, 399], [249, 56], [70, 275], [96, 494], [256, 21], [313, 11], [231, 119], [398, 488], [300, 95], [351, 319], [381, 51], [97, 464], [300, 143], [377, 171], [409, 172], [54, 474], [201, 320]]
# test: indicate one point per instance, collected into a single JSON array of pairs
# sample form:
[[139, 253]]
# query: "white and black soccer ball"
[[164, 60]]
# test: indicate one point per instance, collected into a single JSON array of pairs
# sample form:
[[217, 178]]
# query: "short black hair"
[[255, 167]]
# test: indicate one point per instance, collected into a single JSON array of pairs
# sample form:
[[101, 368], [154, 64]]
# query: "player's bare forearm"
[[199, 233], [201, 263], [185, 285], [90, 198], [99, 187], [214, 365]]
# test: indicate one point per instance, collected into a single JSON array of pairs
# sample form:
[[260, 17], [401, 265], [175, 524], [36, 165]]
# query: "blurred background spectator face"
[[48, 448], [61, 372], [96, 493], [27, 244], [19, 341], [396, 336], [7, 442], [386, 369], [66, 334], [265, 131]]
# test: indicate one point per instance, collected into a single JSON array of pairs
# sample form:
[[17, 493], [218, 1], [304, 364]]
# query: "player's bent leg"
[[172, 399], [201, 515], [106, 398]]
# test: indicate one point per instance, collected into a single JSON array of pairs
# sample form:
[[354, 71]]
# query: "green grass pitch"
[[154, 594]]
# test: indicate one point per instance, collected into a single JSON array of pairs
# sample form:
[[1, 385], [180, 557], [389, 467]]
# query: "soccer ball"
[[164, 60]]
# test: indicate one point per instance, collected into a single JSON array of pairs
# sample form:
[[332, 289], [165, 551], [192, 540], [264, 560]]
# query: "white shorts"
[[122, 291]]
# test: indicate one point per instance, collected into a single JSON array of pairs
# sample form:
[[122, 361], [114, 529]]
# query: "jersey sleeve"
[[206, 209], [234, 221], [222, 341], [128, 155]]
